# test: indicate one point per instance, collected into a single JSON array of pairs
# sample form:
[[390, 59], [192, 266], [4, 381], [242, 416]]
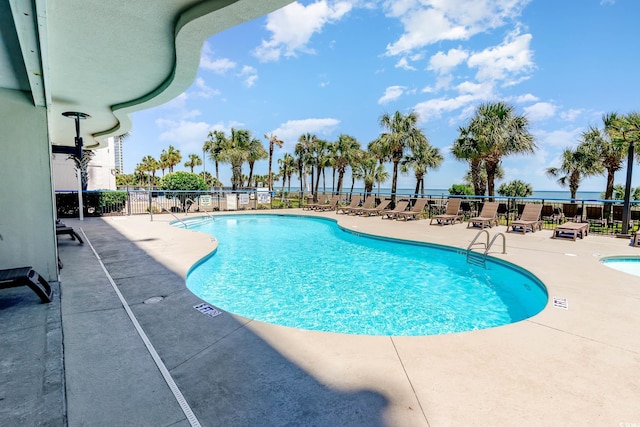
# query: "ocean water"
[[541, 194]]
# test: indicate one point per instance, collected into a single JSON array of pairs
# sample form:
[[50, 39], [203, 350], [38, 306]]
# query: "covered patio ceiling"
[[109, 58]]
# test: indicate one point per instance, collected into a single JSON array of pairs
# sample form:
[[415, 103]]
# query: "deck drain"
[[153, 300]]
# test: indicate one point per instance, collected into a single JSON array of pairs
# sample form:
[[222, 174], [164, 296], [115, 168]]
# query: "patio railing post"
[[150, 206]]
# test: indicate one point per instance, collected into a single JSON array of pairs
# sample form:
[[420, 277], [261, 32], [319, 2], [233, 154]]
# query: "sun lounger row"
[[323, 204], [368, 207], [405, 211]]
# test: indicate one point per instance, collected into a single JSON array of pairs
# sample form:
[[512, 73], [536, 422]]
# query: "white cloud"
[[293, 26], [557, 139], [540, 111], [504, 62], [469, 93], [571, 114], [430, 21], [187, 136], [290, 131], [248, 70], [526, 98], [249, 74], [444, 62], [443, 82], [251, 80], [404, 64], [203, 90], [433, 108], [391, 94], [482, 90], [218, 65]]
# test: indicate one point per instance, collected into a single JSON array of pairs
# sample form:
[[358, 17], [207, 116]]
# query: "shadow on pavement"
[[228, 374]]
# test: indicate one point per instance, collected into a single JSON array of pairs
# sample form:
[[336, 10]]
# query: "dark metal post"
[[627, 191]]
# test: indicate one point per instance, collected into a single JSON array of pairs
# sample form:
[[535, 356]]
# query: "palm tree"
[[499, 132], [611, 153], [150, 165], [465, 147], [380, 151], [320, 148], [356, 169], [82, 166], [626, 131], [164, 161], [380, 175], [304, 151], [422, 158], [207, 177], [331, 162], [213, 146], [172, 157], [194, 160], [365, 170], [256, 152], [345, 150], [273, 141], [235, 151], [402, 133], [287, 168], [576, 164]]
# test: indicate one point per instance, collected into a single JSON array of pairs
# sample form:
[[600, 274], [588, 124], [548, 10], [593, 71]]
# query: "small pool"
[[627, 264], [310, 273]]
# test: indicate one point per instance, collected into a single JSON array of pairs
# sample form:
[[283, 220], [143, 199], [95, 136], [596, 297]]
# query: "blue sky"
[[333, 67]]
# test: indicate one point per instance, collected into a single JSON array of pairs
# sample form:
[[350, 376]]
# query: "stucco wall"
[[27, 229]]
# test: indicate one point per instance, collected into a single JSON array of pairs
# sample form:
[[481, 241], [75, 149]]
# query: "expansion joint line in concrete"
[[409, 380], [152, 351]]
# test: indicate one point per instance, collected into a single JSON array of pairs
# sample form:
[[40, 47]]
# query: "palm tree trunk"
[[340, 178], [333, 180], [491, 175], [324, 183], [318, 171], [236, 176], [608, 193], [250, 173], [394, 181], [478, 188]]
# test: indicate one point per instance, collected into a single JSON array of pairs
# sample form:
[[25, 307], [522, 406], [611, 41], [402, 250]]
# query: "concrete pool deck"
[[573, 366]]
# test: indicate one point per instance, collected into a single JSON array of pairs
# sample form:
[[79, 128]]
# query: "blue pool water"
[[310, 273], [627, 264]]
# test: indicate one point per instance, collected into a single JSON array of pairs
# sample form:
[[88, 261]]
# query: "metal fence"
[[604, 216]]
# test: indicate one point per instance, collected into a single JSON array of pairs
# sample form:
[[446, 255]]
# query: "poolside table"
[[572, 229]]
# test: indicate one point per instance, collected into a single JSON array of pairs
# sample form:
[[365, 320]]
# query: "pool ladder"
[[480, 259]]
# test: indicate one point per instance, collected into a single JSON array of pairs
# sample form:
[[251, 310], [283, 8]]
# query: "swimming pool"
[[627, 264], [310, 273]]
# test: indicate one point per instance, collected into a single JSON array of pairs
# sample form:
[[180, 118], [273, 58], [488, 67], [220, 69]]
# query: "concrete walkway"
[[575, 366]]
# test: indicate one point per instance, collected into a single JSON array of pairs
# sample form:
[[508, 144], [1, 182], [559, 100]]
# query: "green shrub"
[[112, 201], [515, 188], [183, 181], [461, 190]]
